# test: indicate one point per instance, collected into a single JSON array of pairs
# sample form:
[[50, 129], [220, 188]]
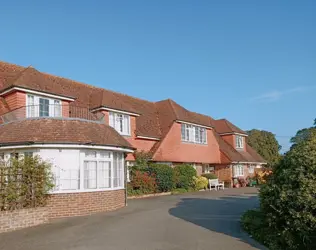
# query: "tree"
[[265, 144], [303, 134], [288, 199]]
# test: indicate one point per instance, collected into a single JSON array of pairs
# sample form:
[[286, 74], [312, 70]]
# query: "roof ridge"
[[170, 101], [19, 74]]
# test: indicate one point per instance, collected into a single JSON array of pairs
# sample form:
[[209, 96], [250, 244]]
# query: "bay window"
[[120, 122], [37, 106], [195, 134], [98, 170], [239, 141]]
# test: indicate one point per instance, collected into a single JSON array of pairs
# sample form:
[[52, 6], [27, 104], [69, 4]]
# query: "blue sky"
[[252, 62]]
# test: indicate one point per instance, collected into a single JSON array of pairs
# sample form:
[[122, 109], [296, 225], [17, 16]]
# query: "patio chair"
[[215, 184]]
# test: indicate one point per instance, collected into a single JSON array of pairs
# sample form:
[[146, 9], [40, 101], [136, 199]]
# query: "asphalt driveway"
[[202, 220]]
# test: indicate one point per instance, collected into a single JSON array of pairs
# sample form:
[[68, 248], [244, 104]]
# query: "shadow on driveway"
[[221, 214]]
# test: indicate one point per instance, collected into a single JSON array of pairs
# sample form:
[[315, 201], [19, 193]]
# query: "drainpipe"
[[125, 179]]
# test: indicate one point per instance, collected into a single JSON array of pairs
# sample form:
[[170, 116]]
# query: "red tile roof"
[[223, 126], [155, 119], [49, 130]]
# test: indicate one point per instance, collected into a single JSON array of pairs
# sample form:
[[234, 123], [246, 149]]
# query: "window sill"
[[85, 190], [194, 143]]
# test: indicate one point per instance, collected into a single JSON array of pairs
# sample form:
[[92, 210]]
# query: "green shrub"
[[24, 183], [200, 182], [183, 176], [143, 183], [288, 199], [164, 176], [210, 176]]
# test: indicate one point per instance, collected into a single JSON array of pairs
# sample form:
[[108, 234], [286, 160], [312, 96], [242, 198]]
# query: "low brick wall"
[[18, 219], [84, 203]]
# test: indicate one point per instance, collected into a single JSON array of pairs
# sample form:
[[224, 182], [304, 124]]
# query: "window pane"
[[43, 107], [118, 170], [104, 174], [30, 106], [90, 174], [105, 154], [91, 154], [68, 179], [57, 108], [182, 132]]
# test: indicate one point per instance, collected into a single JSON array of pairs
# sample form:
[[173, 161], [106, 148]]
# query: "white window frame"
[[239, 170], [193, 134], [206, 169], [121, 128], [251, 169], [239, 141], [33, 106]]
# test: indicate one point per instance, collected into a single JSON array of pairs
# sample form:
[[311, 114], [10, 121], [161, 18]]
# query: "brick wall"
[[18, 219], [85, 203]]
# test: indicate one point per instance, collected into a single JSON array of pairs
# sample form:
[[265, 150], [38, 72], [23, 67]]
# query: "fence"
[[51, 110]]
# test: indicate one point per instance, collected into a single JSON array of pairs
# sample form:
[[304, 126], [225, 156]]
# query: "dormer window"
[[37, 106], [239, 142], [194, 134], [120, 122]]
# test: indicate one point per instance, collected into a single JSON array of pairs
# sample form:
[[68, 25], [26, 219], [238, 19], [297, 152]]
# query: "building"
[[88, 133]]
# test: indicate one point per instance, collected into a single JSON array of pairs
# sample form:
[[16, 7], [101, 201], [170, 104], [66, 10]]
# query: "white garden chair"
[[215, 184]]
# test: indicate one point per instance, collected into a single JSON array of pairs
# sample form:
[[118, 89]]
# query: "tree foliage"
[[303, 134], [265, 144], [288, 200]]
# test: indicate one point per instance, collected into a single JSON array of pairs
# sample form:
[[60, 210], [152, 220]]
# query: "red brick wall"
[[65, 108], [84, 203], [172, 149], [13, 101], [17, 219]]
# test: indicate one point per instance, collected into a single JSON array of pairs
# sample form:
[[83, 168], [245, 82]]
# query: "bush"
[[287, 218], [24, 183], [143, 183], [254, 222], [183, 176], [200, 182], [242, 181], [210, 176], [164, 176]]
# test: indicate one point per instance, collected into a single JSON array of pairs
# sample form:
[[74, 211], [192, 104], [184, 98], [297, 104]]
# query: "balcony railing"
[[55, 111]]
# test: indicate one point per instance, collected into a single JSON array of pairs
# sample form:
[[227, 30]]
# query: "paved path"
[[202, 220]]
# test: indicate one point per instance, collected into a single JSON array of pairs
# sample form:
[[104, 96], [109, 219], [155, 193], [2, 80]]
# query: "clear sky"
[[252, 62]]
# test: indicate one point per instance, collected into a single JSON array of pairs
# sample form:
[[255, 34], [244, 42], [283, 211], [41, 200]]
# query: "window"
[[251, 169], [238, 170], [120, 122], [195, 134], [239, 141], [42, 107], [28, 154], [57, 108], [103, 170], [68, 179], [118, 170], [30, 106], [208, 169]]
